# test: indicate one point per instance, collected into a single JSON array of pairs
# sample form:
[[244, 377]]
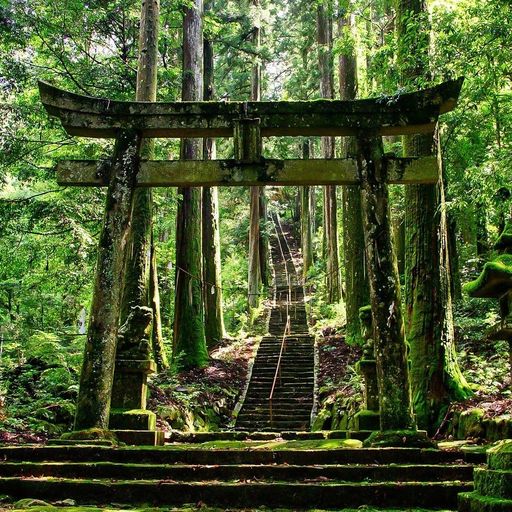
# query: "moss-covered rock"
[[470, 424], [91, 434], [495, 279], [400, 438]]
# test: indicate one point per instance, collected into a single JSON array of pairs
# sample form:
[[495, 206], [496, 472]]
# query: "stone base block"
[[141, 437], [130, 387], [135, 419], [473, 502], [367, 420]]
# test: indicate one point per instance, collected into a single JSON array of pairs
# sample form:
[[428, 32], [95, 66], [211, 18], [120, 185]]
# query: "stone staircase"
[[402, 478], [292, 401]]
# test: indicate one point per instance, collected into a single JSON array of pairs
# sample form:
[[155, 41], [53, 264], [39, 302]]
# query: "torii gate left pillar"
[[368, 120]]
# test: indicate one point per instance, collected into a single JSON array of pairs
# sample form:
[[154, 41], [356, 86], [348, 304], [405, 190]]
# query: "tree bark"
[[157, 338], [137, 269], [257, 268], [214, 320], [189, 333], [96, 378], [325, 62], [390, 346], [356, 279], [436, 379], [305, 219]]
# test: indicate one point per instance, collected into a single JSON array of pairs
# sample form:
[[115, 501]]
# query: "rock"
[[66, 503], [30, 502]]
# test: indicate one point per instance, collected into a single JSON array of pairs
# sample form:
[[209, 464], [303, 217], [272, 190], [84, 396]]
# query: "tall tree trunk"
[[257, 268], [214, 320], [189, 334], [137, 270], [436, 379], [356, 280], [157, 337], [325, 62], [390, 346], [399, 239], [306, 231]]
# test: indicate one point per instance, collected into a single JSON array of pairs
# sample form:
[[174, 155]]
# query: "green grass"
[[316, 444]]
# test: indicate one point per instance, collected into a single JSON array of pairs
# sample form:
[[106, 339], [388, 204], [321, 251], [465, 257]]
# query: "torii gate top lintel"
[[400, 114]]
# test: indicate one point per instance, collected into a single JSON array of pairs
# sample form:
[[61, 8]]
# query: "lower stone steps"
[[348, 473], [170, 455], [236, 478], [240, 494]]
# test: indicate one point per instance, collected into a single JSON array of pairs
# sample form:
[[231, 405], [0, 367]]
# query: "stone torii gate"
[[247, 123]]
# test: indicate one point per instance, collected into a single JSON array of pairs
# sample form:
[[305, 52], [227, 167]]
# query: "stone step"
[[285, 380], [284, 388], [240, 494], [280, 395], [267, 425], [259, 419], [296, 363], [296, 337], [274, 350], [180, 472], [169, 455], [283, 403], [255, 407], [289, 371]]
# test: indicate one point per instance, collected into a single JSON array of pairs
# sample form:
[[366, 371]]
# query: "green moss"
[[495, 279], [494, 482], [278, 444], [470, 424], [91, 434], [474, 502], [399, 438], [365, 313], [500, 455]]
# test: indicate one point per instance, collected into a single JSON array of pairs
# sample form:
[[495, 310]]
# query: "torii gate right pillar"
[[390, 345]]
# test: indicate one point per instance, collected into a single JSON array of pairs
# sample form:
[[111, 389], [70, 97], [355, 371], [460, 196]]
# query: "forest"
[[194, 295]]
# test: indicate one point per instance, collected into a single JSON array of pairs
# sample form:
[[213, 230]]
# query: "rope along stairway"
[[280, 393]]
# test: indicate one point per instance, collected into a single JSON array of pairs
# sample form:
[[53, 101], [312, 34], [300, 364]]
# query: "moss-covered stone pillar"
[[133, 423], [369, 417], [388, 328], [493, 485], [93, 406]]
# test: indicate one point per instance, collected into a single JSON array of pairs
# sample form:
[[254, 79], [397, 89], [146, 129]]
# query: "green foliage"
[[39, 384]]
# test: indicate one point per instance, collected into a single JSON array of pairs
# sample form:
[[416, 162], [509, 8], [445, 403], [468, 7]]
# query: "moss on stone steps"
[[257, 472], [493, 486], [50, 508], [241, 494]]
